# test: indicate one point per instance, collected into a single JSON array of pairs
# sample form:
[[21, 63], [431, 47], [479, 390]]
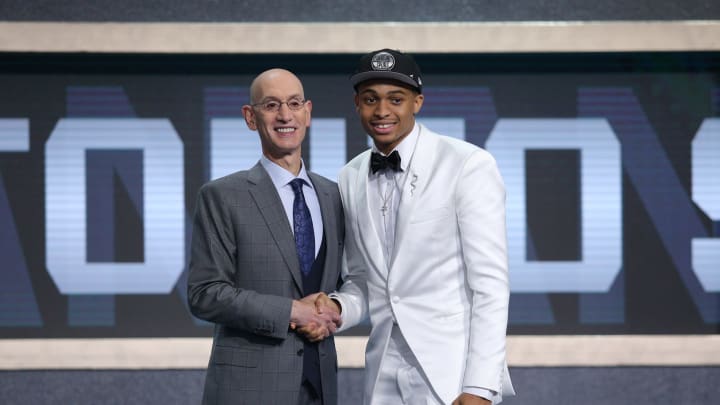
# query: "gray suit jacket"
[[244, 274]]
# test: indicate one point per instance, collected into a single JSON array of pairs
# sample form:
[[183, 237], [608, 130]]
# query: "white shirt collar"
[[405, 148], [281, 176]]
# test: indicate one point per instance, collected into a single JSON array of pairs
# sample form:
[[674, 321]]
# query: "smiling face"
[[387, 111], [282, 131]]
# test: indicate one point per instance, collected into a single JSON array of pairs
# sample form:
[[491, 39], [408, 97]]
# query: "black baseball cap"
[[388, 64]]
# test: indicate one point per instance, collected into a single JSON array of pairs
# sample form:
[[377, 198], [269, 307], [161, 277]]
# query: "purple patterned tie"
[[303, 228]]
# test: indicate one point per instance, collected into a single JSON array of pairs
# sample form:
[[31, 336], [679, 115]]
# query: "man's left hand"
[[469, 399]]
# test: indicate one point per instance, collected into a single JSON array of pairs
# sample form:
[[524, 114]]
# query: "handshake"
[[316, 316]]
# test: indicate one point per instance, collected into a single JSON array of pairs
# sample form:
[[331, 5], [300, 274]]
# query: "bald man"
[[263, 239]]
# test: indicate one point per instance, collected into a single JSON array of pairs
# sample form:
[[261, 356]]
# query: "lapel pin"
[[412, 184]]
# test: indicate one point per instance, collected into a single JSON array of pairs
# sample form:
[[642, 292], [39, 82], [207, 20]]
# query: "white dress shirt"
[[281, 179], [384, 191]]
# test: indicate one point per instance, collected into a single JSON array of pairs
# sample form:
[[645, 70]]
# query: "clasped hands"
[[316, 317]]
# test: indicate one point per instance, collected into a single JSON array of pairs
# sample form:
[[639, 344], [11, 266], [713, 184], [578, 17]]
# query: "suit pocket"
[[234, 356], [433, 214]]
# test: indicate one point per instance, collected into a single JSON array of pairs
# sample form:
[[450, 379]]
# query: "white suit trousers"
[[401, 379]]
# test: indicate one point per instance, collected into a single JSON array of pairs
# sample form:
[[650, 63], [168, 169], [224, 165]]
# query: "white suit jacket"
[[447, 280]]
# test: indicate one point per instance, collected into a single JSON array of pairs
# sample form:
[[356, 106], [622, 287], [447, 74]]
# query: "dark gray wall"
[[353, 10]]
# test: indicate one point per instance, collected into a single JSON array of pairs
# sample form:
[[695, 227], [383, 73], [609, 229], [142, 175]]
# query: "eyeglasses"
[[273, 106]]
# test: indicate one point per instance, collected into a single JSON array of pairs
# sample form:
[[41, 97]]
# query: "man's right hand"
[[308, 321], [327, 305]]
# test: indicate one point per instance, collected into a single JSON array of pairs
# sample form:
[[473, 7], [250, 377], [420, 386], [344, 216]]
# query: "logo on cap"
[[382, 61]]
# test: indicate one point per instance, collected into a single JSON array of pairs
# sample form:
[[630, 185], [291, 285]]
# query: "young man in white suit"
[[425, 250]]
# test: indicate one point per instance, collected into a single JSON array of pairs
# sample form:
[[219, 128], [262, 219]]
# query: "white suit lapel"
[[414, 185], [368, 234]]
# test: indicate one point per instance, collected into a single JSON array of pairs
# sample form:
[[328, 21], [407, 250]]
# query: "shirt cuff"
[[335, 297], [480, 392]]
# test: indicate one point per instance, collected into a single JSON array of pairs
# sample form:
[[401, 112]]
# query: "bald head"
[[273, 78], [280, 114]]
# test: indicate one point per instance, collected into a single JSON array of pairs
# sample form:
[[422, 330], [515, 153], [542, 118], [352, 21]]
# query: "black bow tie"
[[379, 162]]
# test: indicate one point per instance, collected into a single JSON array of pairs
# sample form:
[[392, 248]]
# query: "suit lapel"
[[368, 234], [414, 185], [329, 218], [268, 202]]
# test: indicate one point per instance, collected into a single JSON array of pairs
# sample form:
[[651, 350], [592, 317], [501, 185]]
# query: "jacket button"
[[300, 352], [395, 299]]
